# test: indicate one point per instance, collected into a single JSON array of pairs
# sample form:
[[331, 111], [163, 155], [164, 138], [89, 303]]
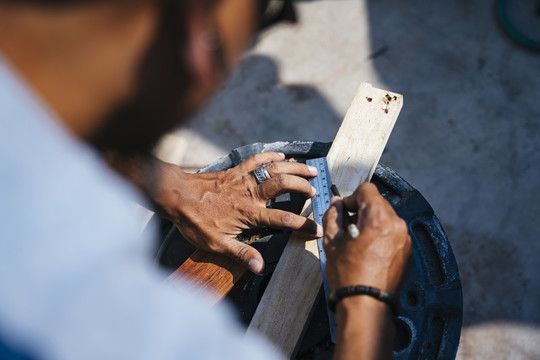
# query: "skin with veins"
[[212, 209]]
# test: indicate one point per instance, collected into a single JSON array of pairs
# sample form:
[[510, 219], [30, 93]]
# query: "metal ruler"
[[320, 203]]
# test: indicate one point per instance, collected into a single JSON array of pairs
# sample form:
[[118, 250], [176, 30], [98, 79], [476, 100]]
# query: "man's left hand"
[[211, 209]]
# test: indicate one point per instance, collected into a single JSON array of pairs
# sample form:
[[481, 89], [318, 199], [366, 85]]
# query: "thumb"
[[246, 255]]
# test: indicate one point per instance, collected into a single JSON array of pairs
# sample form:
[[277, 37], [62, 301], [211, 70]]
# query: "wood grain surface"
[[214, 273]]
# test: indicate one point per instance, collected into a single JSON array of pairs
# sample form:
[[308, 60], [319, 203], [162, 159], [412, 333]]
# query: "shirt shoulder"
[[75, 272]]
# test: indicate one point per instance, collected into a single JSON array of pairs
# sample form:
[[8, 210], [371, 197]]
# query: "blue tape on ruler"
[[320, 203]]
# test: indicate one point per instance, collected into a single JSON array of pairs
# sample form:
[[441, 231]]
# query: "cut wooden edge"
[[382, 105]]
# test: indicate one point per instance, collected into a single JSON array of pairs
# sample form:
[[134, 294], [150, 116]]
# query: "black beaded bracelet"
[[384, 296]]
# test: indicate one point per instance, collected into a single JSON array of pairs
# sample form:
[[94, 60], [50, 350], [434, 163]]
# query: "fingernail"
[[313, 190], [312, 170], [255, 266], [282, 154], [320, 231]]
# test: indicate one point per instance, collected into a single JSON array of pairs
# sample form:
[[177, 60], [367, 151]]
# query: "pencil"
[[347, 219]]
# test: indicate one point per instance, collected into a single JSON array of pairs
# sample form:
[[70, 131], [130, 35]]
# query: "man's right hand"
[[377, 257]]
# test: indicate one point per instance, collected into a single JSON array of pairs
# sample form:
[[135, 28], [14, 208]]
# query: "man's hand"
[[211, 209], [377, 257]]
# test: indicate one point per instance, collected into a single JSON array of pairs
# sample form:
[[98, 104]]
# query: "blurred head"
[[195, 45], [122, 72]]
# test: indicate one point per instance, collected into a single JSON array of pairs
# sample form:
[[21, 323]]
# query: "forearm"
[[148, 173], [365, 329]]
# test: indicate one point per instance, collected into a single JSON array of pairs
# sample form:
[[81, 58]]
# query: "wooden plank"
[[287, 302], [216, 274]]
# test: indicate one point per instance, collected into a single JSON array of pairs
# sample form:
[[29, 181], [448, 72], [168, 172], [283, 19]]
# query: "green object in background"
[[521, 20]]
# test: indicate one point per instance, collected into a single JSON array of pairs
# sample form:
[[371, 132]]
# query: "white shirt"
[[76, 277]]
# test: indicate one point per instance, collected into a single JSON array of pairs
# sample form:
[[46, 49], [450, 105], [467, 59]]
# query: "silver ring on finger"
[[261, 174]]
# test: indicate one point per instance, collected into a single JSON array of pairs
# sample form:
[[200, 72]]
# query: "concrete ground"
[[468, 136]]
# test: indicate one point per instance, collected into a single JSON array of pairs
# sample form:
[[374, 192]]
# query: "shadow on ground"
[[255, 106]]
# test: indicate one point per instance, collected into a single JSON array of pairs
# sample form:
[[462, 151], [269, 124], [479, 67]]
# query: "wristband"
[[381, 295]]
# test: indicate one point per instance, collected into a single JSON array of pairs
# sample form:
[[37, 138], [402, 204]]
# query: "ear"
[[202, 39]]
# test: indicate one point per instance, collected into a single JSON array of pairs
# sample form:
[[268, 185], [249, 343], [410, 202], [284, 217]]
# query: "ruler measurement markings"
[[320, 204]]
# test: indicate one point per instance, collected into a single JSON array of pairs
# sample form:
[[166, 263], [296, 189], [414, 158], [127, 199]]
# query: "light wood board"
[[287, 302]]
